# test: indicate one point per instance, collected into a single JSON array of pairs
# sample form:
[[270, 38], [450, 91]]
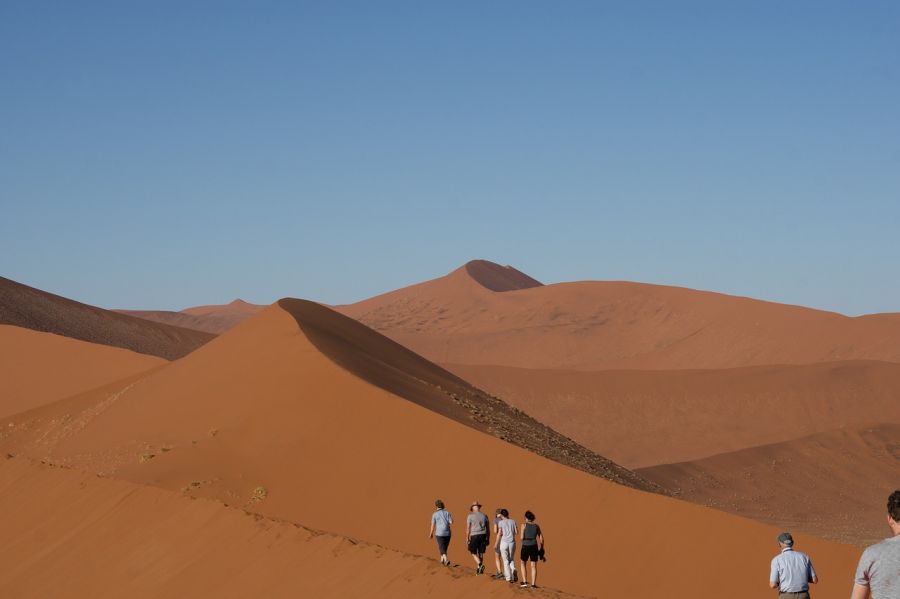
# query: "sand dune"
[[830, 484], [593, 325], [644, 418], [263, 417], [38, 368], [109, 538], [30, 308], [214, 319]]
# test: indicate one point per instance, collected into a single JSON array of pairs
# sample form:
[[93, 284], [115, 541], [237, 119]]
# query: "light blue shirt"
[[792, 571], [442, 521]]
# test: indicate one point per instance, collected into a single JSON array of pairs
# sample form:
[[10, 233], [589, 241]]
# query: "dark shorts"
[[443, 543], [477, 544], [800, 595], [529, 553]]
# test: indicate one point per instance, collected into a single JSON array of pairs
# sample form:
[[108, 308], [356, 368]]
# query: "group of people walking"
[[792, 571], [877, 576], [507, 533]]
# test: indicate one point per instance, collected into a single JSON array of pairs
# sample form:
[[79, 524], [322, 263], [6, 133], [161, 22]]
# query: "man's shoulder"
[[887, 546]]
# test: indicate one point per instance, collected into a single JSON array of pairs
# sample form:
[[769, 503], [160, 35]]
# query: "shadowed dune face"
[[499, 278], [38, 368], [30, 308], [390, 366], [830, 484], [263, 407], [596, 325], [196, 548], [644, 418]]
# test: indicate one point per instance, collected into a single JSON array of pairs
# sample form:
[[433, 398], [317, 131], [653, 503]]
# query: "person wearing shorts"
[[477, 535], [532, 543], [441, 520]]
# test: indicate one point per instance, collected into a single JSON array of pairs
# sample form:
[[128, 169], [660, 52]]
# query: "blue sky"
[[166, 154]]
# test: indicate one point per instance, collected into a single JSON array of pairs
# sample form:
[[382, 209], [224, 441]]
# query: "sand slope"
[[644, 418], [263, 407], [100, 538], [831, 484], [31, 308], [591, 325], [38, 368], [214, 319]]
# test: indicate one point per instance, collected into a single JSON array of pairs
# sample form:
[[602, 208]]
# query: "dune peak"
[[496, 277]]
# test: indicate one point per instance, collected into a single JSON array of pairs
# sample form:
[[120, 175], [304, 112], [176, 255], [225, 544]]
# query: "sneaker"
[[498, 575], [524, 585], [479, 569]]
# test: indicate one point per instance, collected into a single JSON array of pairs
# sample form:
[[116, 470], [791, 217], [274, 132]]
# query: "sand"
[[98, 538], [263, 407], [215, 319], [38, 368], [592, 325], [31, 308], [645, 418], [832, 484]]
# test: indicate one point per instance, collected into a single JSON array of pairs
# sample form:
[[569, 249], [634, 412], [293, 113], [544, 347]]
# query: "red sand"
[[77, 535], [644, 418], [38, 368], [594, 325], [262, 406], [31, 308], [831, 484]]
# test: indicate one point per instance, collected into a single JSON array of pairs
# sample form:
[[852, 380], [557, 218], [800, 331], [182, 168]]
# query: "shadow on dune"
[[390, 366]]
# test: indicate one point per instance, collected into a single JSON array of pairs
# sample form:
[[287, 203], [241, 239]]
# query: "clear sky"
[[166, 154]]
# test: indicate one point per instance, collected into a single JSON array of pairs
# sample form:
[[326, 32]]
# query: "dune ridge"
[[30, 308]]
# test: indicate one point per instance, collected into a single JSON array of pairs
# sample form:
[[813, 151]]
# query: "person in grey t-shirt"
[[477, 535], [507, 529], [878, 573], [441, 520]]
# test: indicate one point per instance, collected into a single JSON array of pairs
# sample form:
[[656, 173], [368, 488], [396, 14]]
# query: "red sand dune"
[[644, 418], [99, 538], [266, 411], [594, 325], [38, 368], [831, 484], [214, 319], [31, 308]]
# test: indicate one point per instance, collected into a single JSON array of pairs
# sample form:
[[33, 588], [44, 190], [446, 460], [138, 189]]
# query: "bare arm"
[[431, 530], [773, 585], [860, 592]]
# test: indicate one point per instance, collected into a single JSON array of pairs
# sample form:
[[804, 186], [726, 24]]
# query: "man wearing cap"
[[477, 535], [792, 571]]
